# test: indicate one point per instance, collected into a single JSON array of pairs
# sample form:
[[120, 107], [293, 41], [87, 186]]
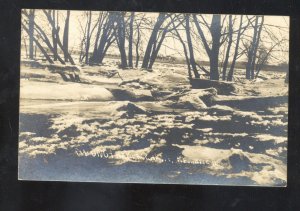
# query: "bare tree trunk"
[[262, 60], [120, 37], [185, 53], [101, 20], [137, 55], [256, 47], [105, 40], [44, 37], [213, 52], [44, 52], [152, 40], [158, 42], [251, 50], [236, 51], [26, 50], [66, 37], [156, 49], [54, 39], [214, 55], [230, 34], [56, 31], [190, 46], [31, 32], [88, 37], [130, 40]]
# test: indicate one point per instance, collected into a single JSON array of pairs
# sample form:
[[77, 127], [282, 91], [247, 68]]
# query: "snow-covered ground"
[[140, 126]]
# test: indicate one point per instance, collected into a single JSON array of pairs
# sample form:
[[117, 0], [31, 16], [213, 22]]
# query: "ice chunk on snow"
[[268, 137], [206, 130], [239, 162], [64, 91], [222, 107], [192, 98]]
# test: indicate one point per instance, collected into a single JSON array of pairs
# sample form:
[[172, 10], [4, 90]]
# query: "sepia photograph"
[[163, 98]]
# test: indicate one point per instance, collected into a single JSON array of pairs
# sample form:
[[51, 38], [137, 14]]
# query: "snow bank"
[[191, 100], [262, 169], [31, 63], [197, 99], [268, 137], [67, 91]]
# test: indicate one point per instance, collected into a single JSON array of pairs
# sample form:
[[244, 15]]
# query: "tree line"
[[222, 39]]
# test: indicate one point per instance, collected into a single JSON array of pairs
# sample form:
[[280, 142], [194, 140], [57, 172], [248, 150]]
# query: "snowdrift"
[[70, 91]]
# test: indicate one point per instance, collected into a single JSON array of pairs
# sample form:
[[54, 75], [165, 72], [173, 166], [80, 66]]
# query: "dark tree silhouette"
[[213, 51], [151, 46], [66, 37], [130, 41], [42, 35], [263, 56], [187, 49], [87, 30], [190, 46], [44, 52], [137, 43], [31, 16], [236, 51], [54, 39], [252, 51], [55, 29], [157, 37], [120, 32], [88, 37], [187, 59], [230, 34], [104, 37], [124, 32]]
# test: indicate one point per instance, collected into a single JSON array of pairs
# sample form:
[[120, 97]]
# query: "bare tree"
[[185, 50], [31, 16], [105, 36], [40, 34], [215, 28], [120, 34], [230, 35], [157, 37], [54, 39], [55, 28], [87, 30], [253, 47], [138, 40], [190, 46], [151, 46], [264, 54], [66, 37], [44, 52], [130, 40], [236, 51], [88, 36]]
